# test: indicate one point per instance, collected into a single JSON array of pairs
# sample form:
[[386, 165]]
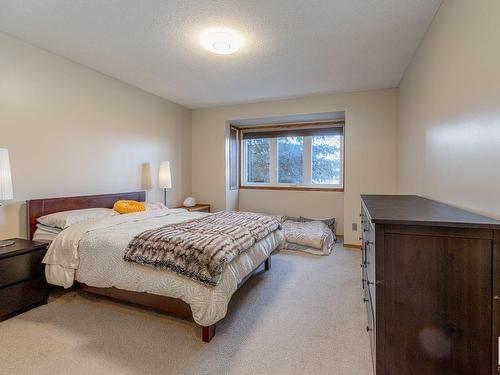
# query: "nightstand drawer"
[[21, 267], [22, 296]]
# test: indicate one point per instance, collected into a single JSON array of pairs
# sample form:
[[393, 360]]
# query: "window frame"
[[234, 158], [273, 166]]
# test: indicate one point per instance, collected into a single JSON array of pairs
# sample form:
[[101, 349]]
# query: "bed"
[[102, 269]]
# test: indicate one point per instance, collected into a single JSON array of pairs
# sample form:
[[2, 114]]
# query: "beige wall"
[[449, 116], [370, 146], [309, 204], [108, 129], [71, 130]]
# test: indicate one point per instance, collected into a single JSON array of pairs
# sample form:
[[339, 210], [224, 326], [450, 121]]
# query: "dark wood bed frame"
[[40, 207]]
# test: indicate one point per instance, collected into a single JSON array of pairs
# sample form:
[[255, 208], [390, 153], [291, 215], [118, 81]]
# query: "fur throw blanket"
[[200, 248]]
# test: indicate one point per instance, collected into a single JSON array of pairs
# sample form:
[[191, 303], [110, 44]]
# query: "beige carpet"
[[305, 316]]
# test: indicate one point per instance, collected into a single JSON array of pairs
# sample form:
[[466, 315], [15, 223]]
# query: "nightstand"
[[22, 280], [197, 208]]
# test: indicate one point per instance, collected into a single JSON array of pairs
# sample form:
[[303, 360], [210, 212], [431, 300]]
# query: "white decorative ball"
[[190, 202]]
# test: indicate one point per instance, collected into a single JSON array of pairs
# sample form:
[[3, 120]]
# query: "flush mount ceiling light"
[[222, 41]]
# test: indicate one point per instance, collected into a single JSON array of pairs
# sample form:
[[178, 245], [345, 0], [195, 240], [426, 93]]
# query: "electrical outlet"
[[354, 227]]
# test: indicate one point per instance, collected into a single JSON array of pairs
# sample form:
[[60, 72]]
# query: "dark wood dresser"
[[431, 280], [22, 280]]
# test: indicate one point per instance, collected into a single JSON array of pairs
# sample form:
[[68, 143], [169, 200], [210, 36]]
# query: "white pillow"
[[45, 228], [66, 218], [148, 206]]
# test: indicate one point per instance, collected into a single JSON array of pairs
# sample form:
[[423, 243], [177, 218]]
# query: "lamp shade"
[[164, 177], [6, 192], [146, 177]]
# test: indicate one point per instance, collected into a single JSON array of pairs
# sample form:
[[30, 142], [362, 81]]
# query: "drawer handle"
[[374, 283], [365, 300], [496, 297], [368, 329]]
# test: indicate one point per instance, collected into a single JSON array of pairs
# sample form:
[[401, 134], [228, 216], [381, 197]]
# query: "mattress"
[[100, 245]]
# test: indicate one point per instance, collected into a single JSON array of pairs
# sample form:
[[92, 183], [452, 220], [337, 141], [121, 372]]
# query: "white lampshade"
[[146, 177], [164, 177], [6, 192]]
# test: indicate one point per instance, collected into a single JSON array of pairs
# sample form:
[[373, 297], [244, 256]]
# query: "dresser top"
[[415, 210]]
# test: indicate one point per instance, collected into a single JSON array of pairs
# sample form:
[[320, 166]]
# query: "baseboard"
[[339, 236], [351, 246]]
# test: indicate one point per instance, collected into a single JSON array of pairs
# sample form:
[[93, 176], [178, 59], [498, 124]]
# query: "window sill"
[[299, 188]]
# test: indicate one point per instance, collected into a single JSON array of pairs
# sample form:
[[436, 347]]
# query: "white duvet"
[[91, 252]]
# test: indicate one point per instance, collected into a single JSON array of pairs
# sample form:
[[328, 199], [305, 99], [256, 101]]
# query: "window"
[[298, 156], [326, 166], [233, 158], [290, 160], [257, 158]]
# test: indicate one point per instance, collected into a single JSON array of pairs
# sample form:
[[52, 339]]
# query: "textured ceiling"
[[293, 47]]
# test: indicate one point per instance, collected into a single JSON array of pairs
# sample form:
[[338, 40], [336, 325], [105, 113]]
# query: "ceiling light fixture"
[[222, 41]]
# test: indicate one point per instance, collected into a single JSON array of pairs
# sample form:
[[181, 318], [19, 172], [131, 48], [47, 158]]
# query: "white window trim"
[[273, 168]]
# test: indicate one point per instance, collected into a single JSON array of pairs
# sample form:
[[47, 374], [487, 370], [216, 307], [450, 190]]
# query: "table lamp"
[[6, 192], [165, 179]]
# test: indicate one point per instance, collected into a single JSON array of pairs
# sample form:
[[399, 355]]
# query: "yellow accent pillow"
[[127, 207]]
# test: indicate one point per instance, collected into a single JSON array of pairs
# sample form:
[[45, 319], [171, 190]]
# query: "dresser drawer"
[[21, 267], [371, 328], [365, 284], [369, 268], [21, 296], [370, 262]]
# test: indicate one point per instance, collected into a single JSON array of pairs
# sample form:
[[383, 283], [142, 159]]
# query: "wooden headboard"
[[40, 207]]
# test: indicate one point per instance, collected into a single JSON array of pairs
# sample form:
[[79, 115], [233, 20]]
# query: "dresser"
[[431, 283]]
